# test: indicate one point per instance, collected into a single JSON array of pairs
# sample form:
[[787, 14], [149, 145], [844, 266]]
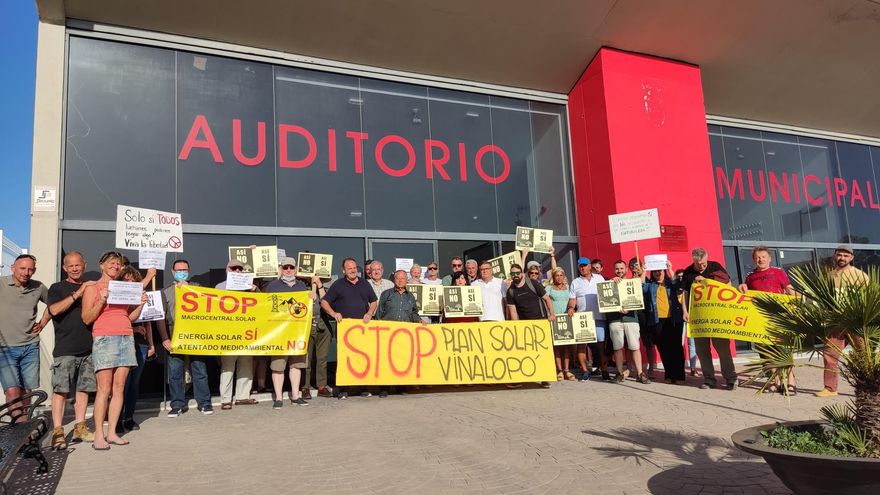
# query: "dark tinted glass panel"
[[517, 195], [399, 196], [550, 180], [819, 160], [855, 190], [329, 191], [784, 177], [719, 171], [120, 145], [339, 247], [229, 184]]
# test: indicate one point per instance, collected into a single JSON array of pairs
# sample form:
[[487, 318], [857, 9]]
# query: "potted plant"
[[841, 452]]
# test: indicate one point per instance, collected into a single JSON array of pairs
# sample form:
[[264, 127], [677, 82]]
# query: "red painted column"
[[639, 140]]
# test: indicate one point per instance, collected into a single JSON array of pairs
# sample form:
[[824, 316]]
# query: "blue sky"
[[18, 54]]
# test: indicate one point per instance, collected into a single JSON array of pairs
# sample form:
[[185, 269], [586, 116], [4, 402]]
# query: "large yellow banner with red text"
[[719, 310], [396, 353], [216, 322]]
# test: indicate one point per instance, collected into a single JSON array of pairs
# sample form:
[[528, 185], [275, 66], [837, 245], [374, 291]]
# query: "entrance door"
[[389, 250], [790, 258]]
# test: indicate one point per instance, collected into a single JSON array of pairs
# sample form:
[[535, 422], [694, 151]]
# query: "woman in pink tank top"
[[113, 351]]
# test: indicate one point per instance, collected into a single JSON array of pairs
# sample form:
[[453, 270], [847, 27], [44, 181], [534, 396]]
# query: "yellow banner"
[[216, 322], [396, 353], [720, 310]]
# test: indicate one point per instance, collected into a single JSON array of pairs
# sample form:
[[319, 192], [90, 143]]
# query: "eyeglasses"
[[22, 256], [534, 273], [515, 274], [457, 265], [237, 268], [107, 255], [288, 267], [432, 268]]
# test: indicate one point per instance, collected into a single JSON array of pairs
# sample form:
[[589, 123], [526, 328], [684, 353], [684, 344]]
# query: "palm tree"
[[851, 309]]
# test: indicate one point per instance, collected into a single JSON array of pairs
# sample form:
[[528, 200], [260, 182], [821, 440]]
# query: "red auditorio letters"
[[490, 161]]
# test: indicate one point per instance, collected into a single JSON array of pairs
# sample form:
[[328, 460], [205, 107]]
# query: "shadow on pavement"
[[690, 463], [24, 479]]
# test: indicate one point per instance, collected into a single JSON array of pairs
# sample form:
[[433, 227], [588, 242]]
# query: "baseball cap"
[[845, 248], [233, 263], [531, 264], [583, 260], [287, 260]]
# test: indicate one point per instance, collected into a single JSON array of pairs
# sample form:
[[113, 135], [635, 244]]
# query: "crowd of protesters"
[[101, 349]]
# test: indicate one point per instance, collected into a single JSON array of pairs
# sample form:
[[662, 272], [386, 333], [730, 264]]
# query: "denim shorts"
[[73, 374], [600, 330], [113, 351], [20, 366]]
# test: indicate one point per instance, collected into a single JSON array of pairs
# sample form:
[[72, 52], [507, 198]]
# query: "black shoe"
[[300, 402], [120, 429], [130, 425], [705, 386], [278, 404], [731, 386], [342, 395], [383, 394], [596, 372], [606, 377], [174, 412]]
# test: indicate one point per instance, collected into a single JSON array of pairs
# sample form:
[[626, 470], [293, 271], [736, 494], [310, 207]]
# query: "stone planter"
[[810, 474]]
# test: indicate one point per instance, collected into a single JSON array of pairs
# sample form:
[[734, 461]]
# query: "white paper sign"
[[151, 258], [153, 310], [239, 281], [282, 253], [45, 198], [403, 264], [124, 293], [142, 228], [634, 226], [655, 262]]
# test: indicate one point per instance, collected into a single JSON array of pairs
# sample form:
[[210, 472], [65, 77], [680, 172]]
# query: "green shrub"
[[809, 441]]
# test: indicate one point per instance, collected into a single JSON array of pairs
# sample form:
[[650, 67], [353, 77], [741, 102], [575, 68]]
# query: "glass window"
[[225, 172], [120, 129], [517, 193], [854, 191], [551, 168], [819, 160], [339, 247]]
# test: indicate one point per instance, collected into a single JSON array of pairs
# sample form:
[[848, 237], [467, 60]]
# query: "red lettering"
[[411, 352], [350, 347], [411, 155], [200, 125], [810, 199], [505, 162], [462, 162], [752, 185], [856, 193], [227, 308], [331, 150], [782, 188], [698, 291], [839, 189], [247, 302], [209, 298], [358, 139], [283, 160], [378, 331], [190, 302], [828, 190], [261, 144], [797, 189], [874, 205], [725, 294], [721, 178], [431, 163], [419, 354]]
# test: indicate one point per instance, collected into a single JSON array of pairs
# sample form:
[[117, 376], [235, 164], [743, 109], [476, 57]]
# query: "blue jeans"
[[133, 383], [199, 370], [692, 352], [20, 366]]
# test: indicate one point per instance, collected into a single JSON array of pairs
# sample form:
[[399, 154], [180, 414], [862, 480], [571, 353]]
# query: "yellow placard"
[[719, 310], [220, 322], [397, 353]]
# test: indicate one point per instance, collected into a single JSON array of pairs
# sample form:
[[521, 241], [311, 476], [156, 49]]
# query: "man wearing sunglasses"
[[527, 300], [19, 328], [456, 265], [431, 275], [228, 364]]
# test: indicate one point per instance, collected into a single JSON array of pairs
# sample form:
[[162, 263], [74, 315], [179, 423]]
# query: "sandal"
[[792, 391], [569, 375], [226, 406], [245, 402], [771, 389], [560, 376]]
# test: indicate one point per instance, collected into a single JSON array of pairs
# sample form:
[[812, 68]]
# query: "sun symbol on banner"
[[298, 310]]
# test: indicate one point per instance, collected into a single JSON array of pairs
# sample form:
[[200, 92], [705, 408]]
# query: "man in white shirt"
[[583, 296], [493, 290]]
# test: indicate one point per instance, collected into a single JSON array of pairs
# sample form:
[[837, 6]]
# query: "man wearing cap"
[[287, 282], [703, 268], [583, 296], [228, 363], [843, 274], [19, 328], [533, 270]]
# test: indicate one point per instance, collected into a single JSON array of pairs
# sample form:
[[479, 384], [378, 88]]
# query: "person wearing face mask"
[[176, 362], [287, 282]]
